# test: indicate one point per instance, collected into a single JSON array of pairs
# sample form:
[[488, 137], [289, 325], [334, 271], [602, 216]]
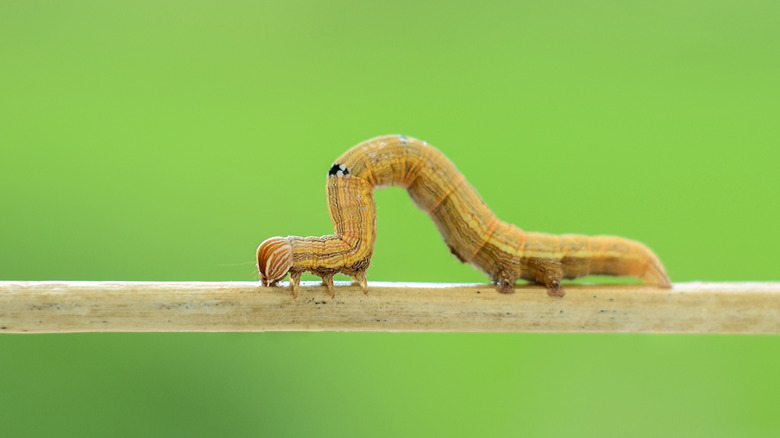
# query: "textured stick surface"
[[81, 306]]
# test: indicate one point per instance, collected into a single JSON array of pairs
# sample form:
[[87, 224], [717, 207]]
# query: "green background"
[[163, 140]]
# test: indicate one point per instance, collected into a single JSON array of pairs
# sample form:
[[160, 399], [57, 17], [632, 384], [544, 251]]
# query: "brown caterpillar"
[[473, 233]]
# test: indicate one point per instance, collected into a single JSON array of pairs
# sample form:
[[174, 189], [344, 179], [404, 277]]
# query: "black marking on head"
[[402, 138], [338, 170]]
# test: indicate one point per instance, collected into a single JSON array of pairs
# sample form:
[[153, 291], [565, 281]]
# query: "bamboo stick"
[[80, 306]]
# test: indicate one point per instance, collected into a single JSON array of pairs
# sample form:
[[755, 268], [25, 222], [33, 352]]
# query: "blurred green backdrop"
[[163, 140]]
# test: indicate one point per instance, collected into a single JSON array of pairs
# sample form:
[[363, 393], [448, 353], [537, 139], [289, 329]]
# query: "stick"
[[80, 306]]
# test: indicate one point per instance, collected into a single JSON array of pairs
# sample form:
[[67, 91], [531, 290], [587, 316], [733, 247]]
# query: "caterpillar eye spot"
[[338, 170]]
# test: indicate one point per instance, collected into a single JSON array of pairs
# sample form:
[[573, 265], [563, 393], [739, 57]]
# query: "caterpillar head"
[[274, 259]]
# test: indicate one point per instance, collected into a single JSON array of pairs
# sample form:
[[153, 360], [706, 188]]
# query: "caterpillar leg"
[[360, 278], [327, 280], [548, 273], [295, 283], [505, 283], [554, 289], [654, 275], [545, 271]]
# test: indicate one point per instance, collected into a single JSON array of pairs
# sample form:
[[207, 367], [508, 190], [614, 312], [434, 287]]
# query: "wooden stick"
[[80, 306]]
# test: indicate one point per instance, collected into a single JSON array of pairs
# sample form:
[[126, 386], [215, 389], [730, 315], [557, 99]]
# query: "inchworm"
[[473, 233]]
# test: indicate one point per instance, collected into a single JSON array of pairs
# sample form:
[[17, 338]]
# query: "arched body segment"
[[470, 229]]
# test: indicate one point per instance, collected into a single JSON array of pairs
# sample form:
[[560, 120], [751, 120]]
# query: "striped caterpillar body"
[[473, 233]]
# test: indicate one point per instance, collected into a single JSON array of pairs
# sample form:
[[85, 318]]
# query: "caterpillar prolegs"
[[473, 233]]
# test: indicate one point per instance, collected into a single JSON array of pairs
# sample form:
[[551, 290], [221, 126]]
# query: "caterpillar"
[[470, 229]]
